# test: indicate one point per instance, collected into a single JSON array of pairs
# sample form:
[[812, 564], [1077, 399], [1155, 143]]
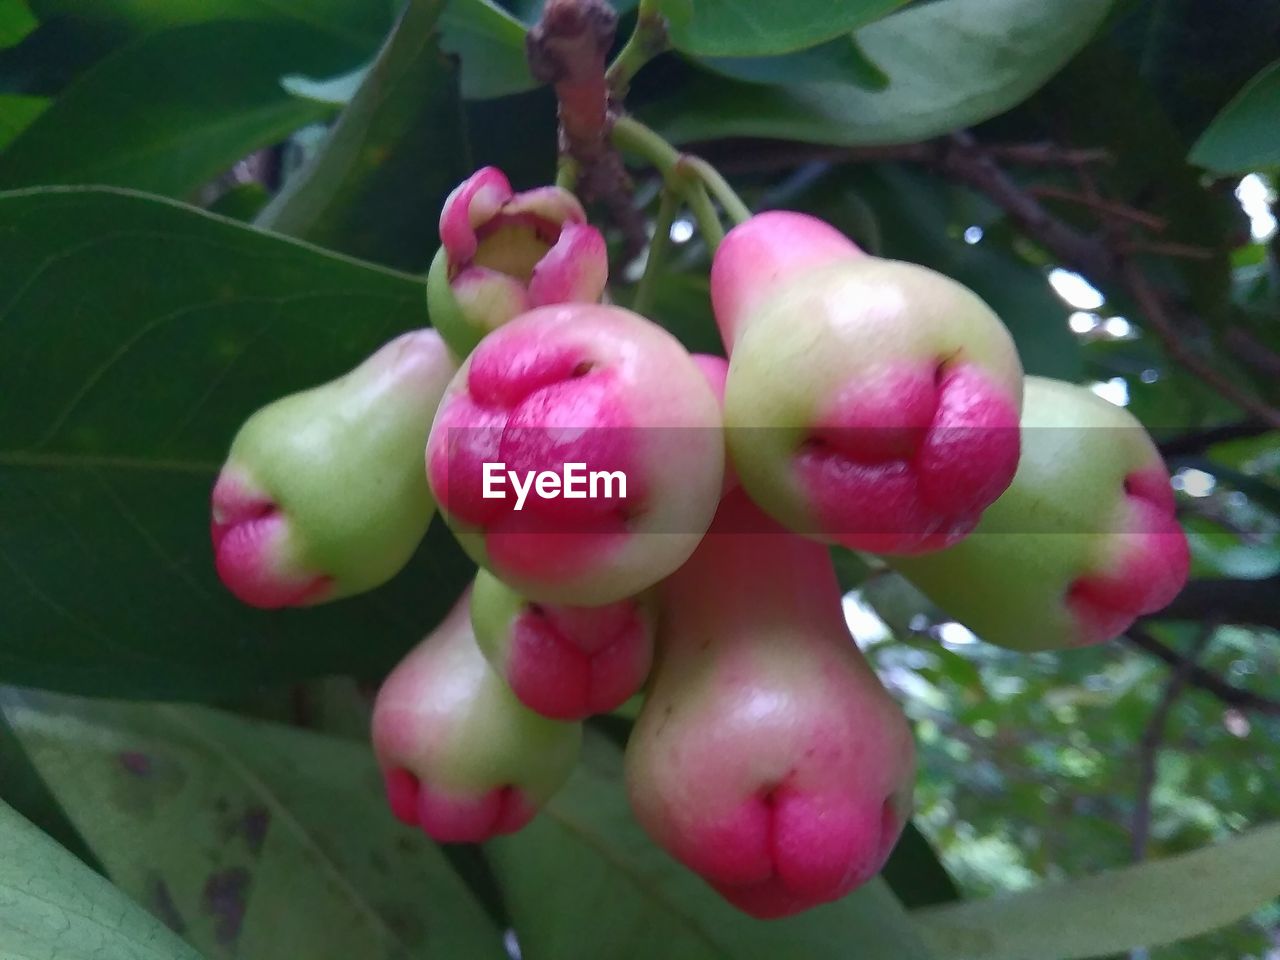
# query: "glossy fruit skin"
[[564, 662], [1083, 542], [460, 755], [869, 402], [504, 252], [768, 758], [322, 494], [589, 384]]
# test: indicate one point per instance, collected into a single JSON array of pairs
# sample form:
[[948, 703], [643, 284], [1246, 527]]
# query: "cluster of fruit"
[[866, 403]]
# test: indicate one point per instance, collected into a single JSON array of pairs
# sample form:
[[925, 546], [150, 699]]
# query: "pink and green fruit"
[[767, 757], [1084, 541], [562, 661], [596, 386], [461, 757], [504, 253], [869, 402], [322, 495]]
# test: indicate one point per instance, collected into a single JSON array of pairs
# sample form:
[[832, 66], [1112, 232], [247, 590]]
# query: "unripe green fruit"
[[322, 495]]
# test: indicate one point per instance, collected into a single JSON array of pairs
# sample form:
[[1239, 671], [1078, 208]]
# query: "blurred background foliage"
[[1104, 174]]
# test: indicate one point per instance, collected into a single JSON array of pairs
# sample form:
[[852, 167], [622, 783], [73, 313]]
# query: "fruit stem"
[[567, 172], [689, 176], [658, 247], [715, 182], [647, 40]]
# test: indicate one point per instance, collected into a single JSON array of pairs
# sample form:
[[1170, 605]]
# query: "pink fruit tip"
[[756, 254], [786, 851], [250, 534], [455, 817], [1147, 567], [508, 251], [569, 663], [907, 461]]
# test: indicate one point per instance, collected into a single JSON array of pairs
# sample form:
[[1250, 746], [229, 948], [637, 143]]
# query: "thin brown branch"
[[1245, 602], [1202, 679], [1198, 441], [1153, 737], [568, 48], [1105, 258], [1184, 251], [1251, 351], [1048, 154], [964, 161], [1106, 207], [1157, 321]]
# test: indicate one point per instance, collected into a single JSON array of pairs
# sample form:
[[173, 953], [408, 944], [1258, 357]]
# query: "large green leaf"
[[135, 336], [951, 63], [839, 61], [53, 906], [489, 44], [374, 189], [22, 787], [359, 24], [17, 112], [199, 117], [741, 28], [616, 895], [74, 35], [1145, 905], [1245, 136], [251, 839], [16, 21]]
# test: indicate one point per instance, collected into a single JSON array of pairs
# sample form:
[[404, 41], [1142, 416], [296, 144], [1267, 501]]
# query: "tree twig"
[[1153, 737], [1157, 320], [1101, 257], [1203, 679], [1107, 207], [1200, 440], [567, 48], [1248, 602]]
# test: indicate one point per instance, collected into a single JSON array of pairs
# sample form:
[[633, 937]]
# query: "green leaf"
[[357, 24], [951, 63], [336, 91], [51, 905], [16, 21], [489, 44], [740, 28], [74, 35], [838, 61], [375, 188], [1146, 905], [200, 117], [251, 839], [916, 875], [17, 112], [1245, 136], [615, 894], [243, 202], [139, 334], [22, 787]]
